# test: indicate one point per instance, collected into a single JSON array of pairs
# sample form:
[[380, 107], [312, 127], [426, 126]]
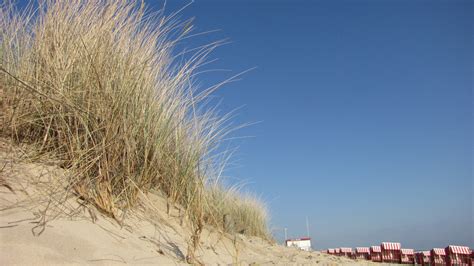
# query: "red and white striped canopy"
[[337, 250], [407, 251], [375, 249], [439, 251], [426, 253], [459, 250], [391, 246], [362, 250], [348, 250], [331, 251]]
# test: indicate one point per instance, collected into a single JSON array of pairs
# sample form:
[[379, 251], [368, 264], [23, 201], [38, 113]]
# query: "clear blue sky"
[[365, 110]]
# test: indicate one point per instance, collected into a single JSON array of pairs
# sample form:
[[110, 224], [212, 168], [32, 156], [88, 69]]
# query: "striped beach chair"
[[407, 256], [438, 257], [422, 258], [458, 255], [346, 252], [390, 252], [375, 253], [426, 258], [362, 253]]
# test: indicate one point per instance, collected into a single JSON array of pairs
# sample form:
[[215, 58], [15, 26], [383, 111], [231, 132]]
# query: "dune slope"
[[41, 223]]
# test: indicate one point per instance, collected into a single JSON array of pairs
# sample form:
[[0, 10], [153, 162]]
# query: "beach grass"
[[99, 86]]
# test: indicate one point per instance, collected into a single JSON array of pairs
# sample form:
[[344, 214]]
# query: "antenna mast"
[[307, 226]]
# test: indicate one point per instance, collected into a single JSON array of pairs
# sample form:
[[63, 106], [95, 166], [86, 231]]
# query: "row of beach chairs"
[[393, 253]]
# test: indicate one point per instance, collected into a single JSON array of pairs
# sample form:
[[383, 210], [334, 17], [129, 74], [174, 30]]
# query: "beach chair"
[[391, 252], [375, 254], [458, 255], [419, 258], [362, 253], [422, 258], [346, 252], [426, 258], [438, 257], [407, 256]]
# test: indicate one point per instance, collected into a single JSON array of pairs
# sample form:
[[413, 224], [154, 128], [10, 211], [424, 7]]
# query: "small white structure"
[[301, 243]]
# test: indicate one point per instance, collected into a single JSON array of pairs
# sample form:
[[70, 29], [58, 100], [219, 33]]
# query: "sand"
[[42, 224]]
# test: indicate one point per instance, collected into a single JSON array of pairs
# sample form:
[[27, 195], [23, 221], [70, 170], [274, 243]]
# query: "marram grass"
[[98, 85]]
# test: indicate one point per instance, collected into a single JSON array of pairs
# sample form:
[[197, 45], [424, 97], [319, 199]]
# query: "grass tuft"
[[235, 212]]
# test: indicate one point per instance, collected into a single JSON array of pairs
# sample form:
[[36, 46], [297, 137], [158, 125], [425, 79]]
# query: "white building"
[[301, 243]]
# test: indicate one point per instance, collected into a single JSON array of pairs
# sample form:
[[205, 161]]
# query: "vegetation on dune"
[[244, 214], [97, 84]]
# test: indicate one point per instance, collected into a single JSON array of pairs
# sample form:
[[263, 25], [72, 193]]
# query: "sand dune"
[[42, 224]]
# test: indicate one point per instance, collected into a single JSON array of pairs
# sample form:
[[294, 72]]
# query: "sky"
[[363, 114]]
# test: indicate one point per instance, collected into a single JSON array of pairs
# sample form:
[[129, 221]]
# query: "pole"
[[307, 226]]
